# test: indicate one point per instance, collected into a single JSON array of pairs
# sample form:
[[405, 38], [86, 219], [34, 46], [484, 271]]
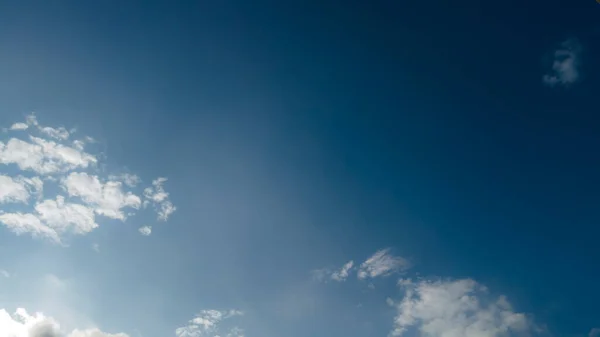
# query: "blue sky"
[[318, 168]]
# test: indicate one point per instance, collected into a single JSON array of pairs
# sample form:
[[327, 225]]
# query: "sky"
[[314, 168]]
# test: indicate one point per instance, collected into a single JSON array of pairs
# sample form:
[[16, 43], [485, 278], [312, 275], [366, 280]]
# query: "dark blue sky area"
[[425, 122]]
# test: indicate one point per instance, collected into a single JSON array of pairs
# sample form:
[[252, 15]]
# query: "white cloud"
[[326, 274], [159, 198], [19, 126], [145, 231], [208, 323], [107, 199], [595, 332], [342, 274], [23, 324], [128, 179], [66, 217], [382, 263], [565, 65], [20, 223], [46, 153], [43, 156], [460, 308], [12, 190], [4, 273], [59, 133]]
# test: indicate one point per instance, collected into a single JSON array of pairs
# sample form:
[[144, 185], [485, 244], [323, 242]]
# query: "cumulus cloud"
[[46, 155], [12, 190], [382, 263], [145, 231], [565, 64], [23, 324], [20, 223], [19, 126], [159, 198], [43, 156], [62, 216], [209, 323], [456, 308], [107, 199]]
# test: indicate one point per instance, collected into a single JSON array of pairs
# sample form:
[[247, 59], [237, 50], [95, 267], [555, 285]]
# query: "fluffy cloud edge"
[[23, 324]]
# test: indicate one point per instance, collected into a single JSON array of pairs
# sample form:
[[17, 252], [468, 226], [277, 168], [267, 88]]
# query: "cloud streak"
[[382, 263], [209, 323]]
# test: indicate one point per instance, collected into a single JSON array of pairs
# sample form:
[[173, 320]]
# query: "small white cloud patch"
[[382, 263], [209, 323], [19, 126], [107, 198], [342, 274], [565, 64], [159, 198], [145, 231]]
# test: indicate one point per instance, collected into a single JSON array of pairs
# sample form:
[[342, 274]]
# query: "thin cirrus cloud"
[[23, 324], [209, 323], [46, 155], [566, 64], [382, 263], [456, 308]]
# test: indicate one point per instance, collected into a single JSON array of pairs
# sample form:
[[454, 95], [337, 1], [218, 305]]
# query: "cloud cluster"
[[157, 196], [380, 264], [45, 155], [23, 324], [565, 64], [456, 308], [208, 323]]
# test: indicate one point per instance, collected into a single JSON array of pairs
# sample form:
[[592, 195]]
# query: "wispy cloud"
[[342, 274], [382, 263], [566, 64], [42, 156], [456, 308], [595, 332], [209, 323], [339, 275], [157, 196]]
